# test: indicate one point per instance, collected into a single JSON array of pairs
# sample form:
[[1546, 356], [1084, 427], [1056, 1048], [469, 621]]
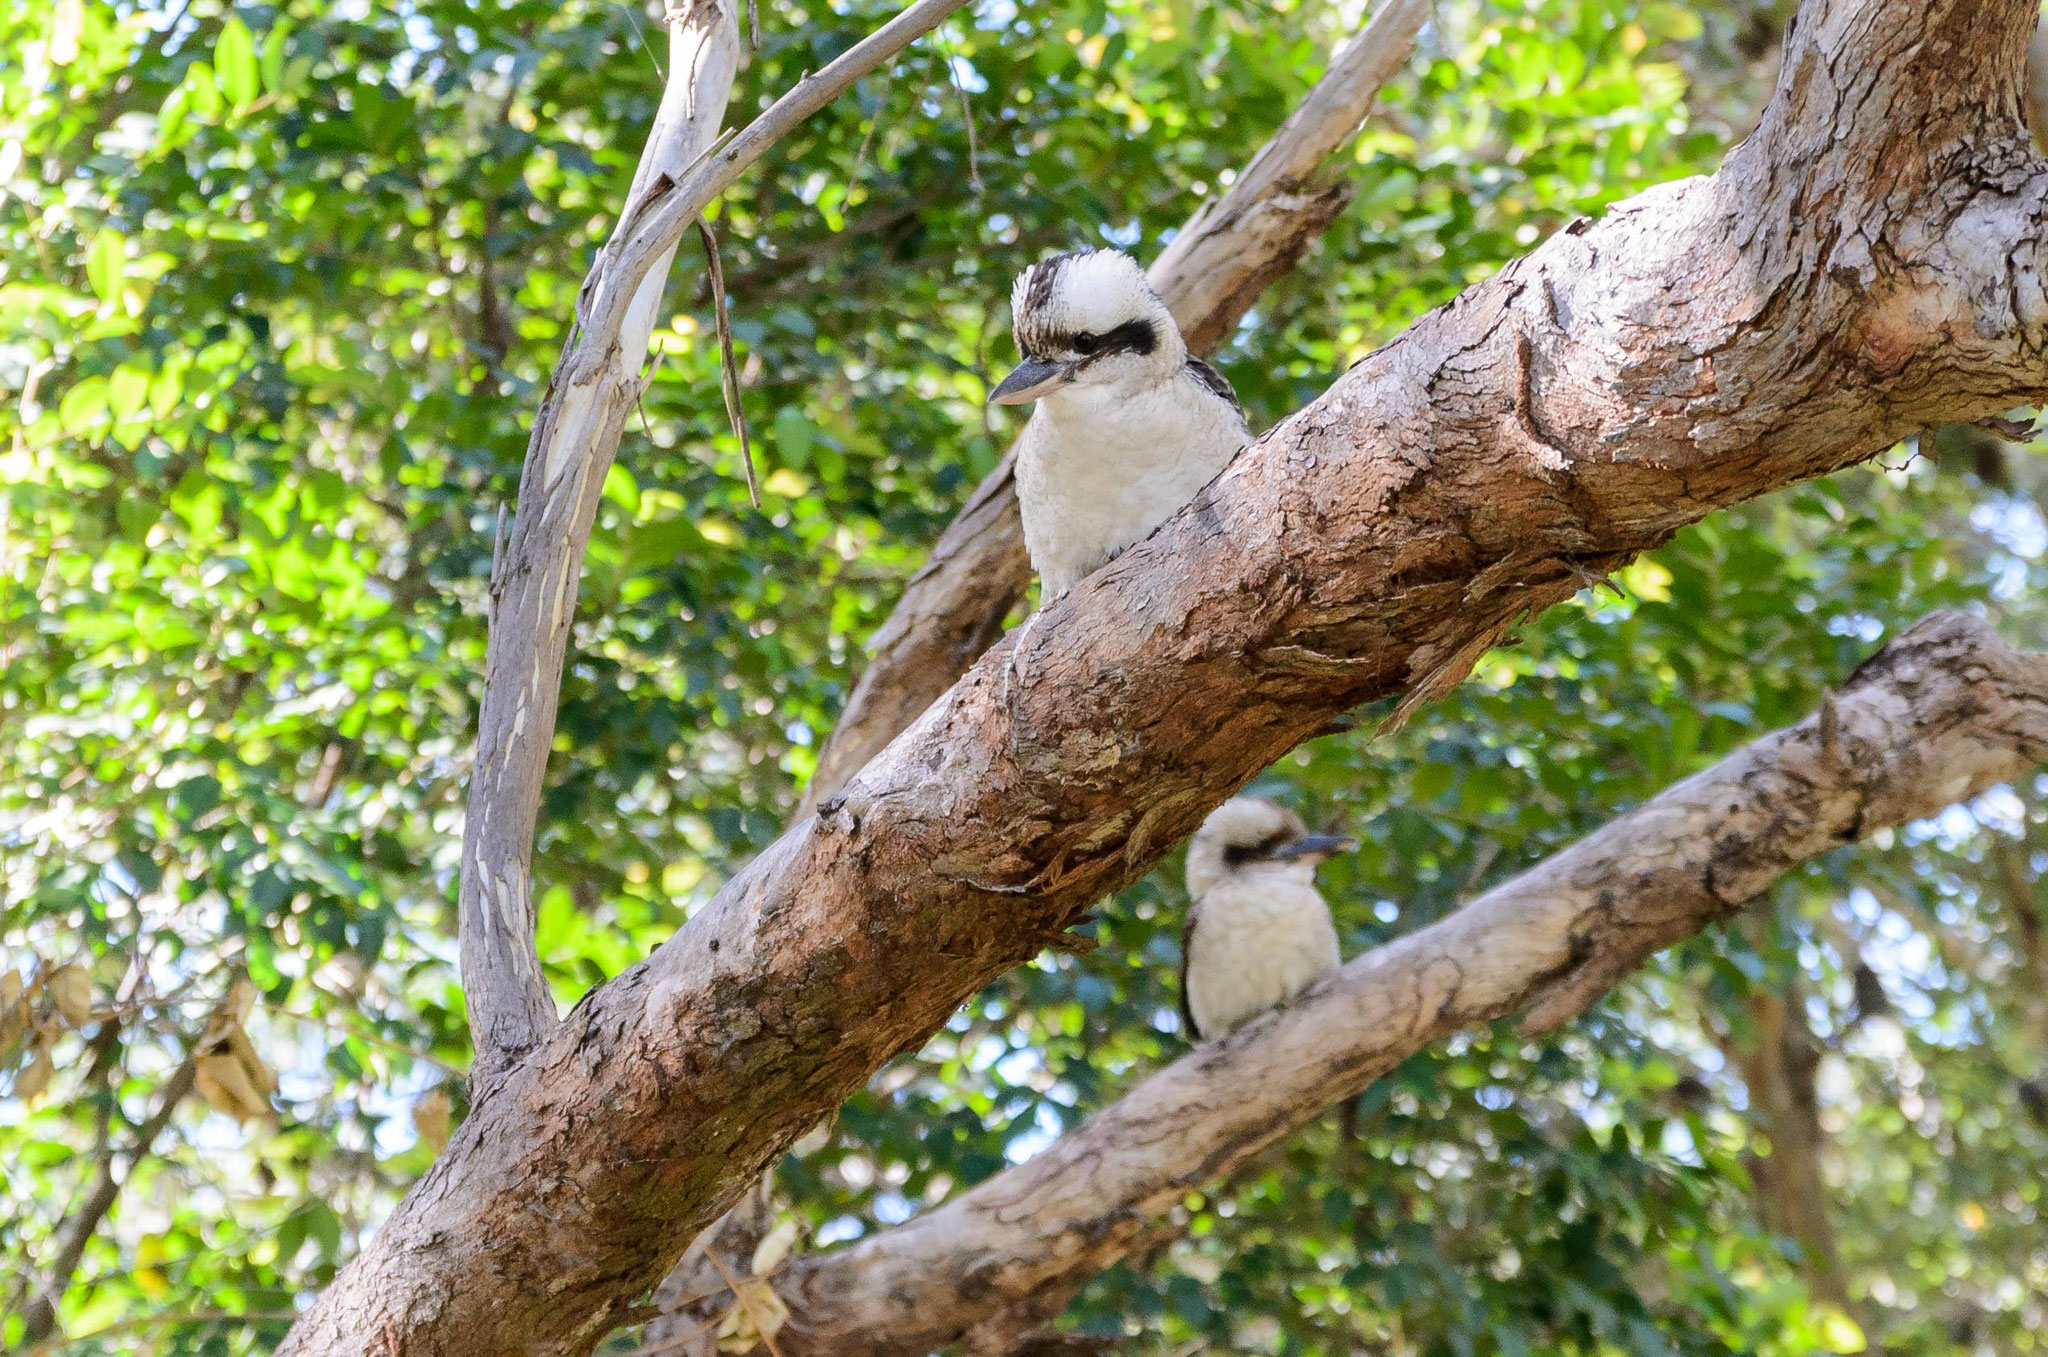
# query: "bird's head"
[[1248, 833], [1087, 319]]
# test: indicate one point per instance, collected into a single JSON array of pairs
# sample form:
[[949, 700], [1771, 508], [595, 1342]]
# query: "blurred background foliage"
[[279, 286]]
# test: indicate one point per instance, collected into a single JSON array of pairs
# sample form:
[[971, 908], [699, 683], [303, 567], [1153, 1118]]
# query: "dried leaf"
[[36, 1077], [70, 988], [773, 1248], [430, 1117], [14, 1012], [244, 1051], [228, 1090], [757, 1315]]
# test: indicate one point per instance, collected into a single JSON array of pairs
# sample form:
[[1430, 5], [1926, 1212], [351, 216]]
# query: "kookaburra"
[[1258, 932], [1129, 424]]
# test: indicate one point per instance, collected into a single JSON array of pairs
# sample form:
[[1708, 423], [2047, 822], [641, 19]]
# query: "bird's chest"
[[1253, 945], [1268, 940], [1098, 473]]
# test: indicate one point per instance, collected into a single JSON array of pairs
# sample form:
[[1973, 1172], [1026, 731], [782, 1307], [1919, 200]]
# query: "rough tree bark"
[[1941, 713], [1229, 252], [1868, 263]]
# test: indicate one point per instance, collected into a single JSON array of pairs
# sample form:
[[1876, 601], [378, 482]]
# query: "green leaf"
[[105, 264], [204, 89], [234, 64], [275, 49], [127, 389]]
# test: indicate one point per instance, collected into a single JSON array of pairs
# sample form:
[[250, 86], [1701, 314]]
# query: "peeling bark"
[[1939, 714], [1868, 263]]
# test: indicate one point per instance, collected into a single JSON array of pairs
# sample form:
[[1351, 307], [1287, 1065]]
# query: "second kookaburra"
[[1129, 424], [1257, 932]]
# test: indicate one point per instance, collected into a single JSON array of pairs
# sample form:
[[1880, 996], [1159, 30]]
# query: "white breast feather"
[[1099, 469], [1260, 937]]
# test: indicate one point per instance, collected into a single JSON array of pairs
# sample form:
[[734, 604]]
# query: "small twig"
[[641, 38], [696, 188], [753, 26], [369, 1039], [78, 1228], [678, 1344], [966, 109], [860, 156], [728, 370], [646, 429]]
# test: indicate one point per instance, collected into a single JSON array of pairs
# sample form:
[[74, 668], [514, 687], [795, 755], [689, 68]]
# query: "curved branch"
[[1229, 252], [1941, 713], [1704, 344]]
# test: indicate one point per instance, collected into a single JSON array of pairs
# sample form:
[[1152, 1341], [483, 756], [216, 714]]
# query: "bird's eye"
[[1086, 343]]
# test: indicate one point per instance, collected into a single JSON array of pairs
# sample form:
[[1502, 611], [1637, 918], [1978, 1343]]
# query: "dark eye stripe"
[[1133, 336], [1264, 848]]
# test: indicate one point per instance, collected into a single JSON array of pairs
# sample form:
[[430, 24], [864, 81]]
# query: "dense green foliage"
[[279, 285]]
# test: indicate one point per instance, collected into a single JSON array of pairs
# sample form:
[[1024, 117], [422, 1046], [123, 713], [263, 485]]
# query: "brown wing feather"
[[1208, 376], [1187, 1014]]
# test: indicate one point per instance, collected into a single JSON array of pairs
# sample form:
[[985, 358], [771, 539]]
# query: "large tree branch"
[[1869, 262], [1229, 252], [1941, 713]]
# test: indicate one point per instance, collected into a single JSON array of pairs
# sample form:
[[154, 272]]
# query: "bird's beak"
[[1028, 381], [1315, 847]]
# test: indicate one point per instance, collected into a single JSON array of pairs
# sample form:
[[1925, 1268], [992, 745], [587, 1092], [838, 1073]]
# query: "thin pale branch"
[[575, 436], [662, 213], [536, 566]]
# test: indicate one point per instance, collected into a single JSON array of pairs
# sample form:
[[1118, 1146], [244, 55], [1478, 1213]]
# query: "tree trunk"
[[1778, 1060]]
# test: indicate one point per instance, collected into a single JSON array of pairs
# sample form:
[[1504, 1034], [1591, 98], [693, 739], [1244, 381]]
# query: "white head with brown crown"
[[1088, 320], [1249, 834]]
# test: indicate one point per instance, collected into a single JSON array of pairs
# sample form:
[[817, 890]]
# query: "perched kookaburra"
[[1129, 424], [1258, 932]]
